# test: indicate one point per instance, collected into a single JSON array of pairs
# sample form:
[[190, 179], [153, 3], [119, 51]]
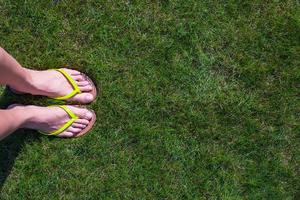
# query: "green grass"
[[198, 99]]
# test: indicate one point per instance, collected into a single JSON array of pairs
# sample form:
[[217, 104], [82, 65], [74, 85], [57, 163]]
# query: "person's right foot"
[[49, 119]]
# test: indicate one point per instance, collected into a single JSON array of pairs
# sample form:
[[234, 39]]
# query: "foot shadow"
[[11, 146]]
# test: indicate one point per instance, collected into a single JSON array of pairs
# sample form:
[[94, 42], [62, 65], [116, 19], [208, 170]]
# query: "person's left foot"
[[53, 84]]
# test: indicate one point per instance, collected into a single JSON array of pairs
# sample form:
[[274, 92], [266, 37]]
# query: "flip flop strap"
[[72, 116], [76, 89]]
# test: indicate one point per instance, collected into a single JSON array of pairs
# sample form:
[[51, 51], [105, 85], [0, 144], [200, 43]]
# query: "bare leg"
[[46, 119], [45, 83], [10, 121], [12, 73]]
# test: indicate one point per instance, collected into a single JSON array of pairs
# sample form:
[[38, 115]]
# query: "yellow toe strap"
[[76, 89], [72, 116]]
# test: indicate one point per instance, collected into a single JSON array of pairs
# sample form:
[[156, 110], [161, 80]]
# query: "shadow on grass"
[[11, 146]]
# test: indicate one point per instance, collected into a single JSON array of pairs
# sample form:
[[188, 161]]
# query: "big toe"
[[84, 98], [85, 115], [88, 115], [88, 97]]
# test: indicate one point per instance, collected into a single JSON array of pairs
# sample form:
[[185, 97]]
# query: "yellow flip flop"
[[73, 118], [76, 89], [73, 83]]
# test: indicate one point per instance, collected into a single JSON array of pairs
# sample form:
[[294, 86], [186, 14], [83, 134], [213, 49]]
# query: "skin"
[[46, 119]]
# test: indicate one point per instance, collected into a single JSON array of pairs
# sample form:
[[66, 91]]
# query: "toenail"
[[88, 115], [89, 97]]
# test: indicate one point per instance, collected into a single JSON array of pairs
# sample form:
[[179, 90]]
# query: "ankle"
[[28, 84], [30, 81], [28, 77], [23, 82], [22, 114]]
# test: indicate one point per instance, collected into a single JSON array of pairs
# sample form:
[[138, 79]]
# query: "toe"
[[83, 114], [74, 130], [88, 115], [66, 134], [83, 83], [87, 88], [72, 72], [78, 125], [82, 98], [82, 121], [88, 98], [79, 77]]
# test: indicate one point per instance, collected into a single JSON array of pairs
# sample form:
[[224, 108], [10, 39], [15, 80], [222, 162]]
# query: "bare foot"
[[52, 83], [49, 119]]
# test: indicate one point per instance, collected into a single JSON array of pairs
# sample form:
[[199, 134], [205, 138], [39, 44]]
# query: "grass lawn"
[[199, 99]]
